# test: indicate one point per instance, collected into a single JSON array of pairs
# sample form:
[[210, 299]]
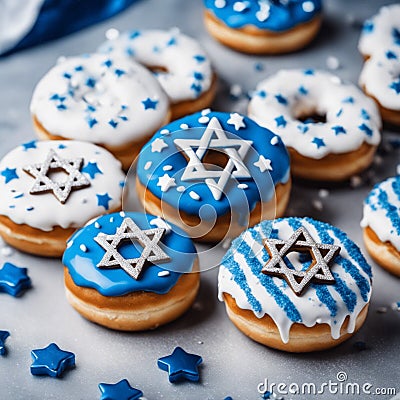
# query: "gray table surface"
[[233, 364]]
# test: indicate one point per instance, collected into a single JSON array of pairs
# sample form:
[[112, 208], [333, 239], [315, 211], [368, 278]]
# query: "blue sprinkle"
[[123, 107], [280, 121], [113, 123], [338, 129], [364, 114], [30, 208], [79, 68], [11, 206], [390, 55], [134, 34], [119, 72], [61, 107], [396, 35], [171, 42], [303, 128], [303, 90], [196, 87], [29, 145], [348, 100], [281, 99], [318, 142], [368, 131], [123, 118], [339, 113], [18, 196], [90, 82], [259, 66], [108, 63], [92, 122], [199, 76], [262, 94], [90, 108], [199, 58], [129, 51], [67, 75], [308, 72], [62, 146], [122, 184], [54, 97], [395, 86], [368, 27]]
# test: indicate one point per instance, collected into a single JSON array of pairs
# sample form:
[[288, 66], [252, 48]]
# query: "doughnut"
[[110, 101], [213, 173], [295, 284], [49, 188], [381, 224], [380, 77], [180, 64], [130, 271], [262, 27], [331, 128]]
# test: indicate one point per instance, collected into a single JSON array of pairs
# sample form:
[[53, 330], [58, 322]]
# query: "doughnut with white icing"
[[179, 62], [380, 45], [106, 100], [263, 27], [214, 174], [330, 303], [381, 224], [334, 148], [38, 212], [130, 271]]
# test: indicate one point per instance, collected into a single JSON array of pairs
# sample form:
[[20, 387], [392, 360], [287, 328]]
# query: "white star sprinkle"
[[166, 182], [263, 164], [236, 120], [158, 145]]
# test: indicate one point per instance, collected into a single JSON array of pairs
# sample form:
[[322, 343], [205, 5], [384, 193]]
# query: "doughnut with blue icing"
[[381, 224], [213, 174], [130, 271], [180, 64], [50, 188], [380, 45], [330, 127], [263, 26], [107, 100], [295, 284]]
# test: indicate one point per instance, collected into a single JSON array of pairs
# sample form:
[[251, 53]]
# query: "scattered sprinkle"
[[274, 140], [184, 126], [97, 225], [165, 132], [332, 63], [194, 195], [206, 111], [7, 251], [112, 219], [180, 189], [308, 6], [148, 165], [242, 186], [323, 193], [112, 34], [167, 167], [220, 3], [204, 119], [235, 91], [70, 243], [163, 273], [122, 214], [83, 248], [240, 6]]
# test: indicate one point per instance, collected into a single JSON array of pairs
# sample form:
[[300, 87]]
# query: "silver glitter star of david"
[[129, 231], [235, 149], [54, 163], [302, 242]]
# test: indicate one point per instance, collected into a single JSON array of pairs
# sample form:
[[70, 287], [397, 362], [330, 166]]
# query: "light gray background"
[[233, 365]]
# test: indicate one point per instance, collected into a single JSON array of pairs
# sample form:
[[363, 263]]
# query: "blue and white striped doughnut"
[[381, 223], [337, 305], [188, 75], [282, 102], [106, 100], [380, 45]]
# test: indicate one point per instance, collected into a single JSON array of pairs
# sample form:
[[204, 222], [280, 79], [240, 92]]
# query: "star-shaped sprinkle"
[[236, 120], [103, 200], [150, 104], [14, 280], [280, 121], [158, 145], [121, 390], [301, 242], [129, 231], [195, 149], [9, 174], [51, 361], [338, 129], [61, 189], [3, 336], [166, 182], [92, 169], [29, 145], [181, 365], [395, 86], [318, 142], [263, 164]]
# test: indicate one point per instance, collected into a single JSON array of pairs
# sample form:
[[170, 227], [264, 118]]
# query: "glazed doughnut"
[[110, 101], [39, 208], [291, 103], [381, 223], [181, 65], [324, 303], [130, 271], [262, 27], [213, 173], [379, 44]]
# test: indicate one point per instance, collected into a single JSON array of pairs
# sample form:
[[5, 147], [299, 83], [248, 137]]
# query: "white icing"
[[99, 103], [323, 94], [46, 211], [152, 49], [311, 309], [377, 219]]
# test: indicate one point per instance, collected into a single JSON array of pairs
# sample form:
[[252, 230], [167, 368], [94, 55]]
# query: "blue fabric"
[[62, 17]]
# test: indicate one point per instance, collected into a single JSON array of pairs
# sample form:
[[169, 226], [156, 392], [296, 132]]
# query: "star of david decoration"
[[129, 231], [54, 163], [301, 242], [214, 138]]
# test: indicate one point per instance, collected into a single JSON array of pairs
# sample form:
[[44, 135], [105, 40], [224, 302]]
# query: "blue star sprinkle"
[[395, 86], [51, 361], [180, 365], [119, 72], [90, 82], [92, 122], [366, 129], [390, 55], [29, 145], [121, 390], [198, 75], [280, 121], [9, 174], [281, 99], [14, 280], [103, 200], [91, 168], [318, 142], [338, 129], [3, 336], [108, 63], [113, 123], [150, 104], [196, 88]]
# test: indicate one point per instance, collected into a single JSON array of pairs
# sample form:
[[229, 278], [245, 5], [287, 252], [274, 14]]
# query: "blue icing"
[[241, 201], [281, 16], [116, 282]]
